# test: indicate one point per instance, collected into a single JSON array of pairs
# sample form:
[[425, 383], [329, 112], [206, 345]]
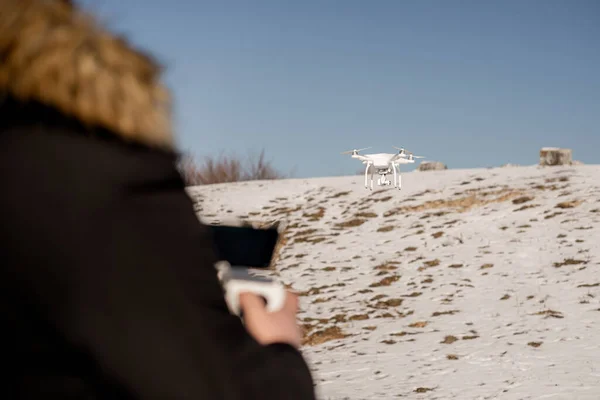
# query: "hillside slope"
[[468, 284]]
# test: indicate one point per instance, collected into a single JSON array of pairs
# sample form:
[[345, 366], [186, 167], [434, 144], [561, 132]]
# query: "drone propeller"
[[355, 151], [401, 150], [411, 156]]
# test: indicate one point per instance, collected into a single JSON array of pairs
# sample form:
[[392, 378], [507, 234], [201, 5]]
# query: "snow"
[[492, 289]]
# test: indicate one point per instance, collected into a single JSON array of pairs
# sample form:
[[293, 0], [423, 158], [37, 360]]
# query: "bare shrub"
[[225, 169]]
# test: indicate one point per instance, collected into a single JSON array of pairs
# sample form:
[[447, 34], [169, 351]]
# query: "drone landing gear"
[[397, 177], [367, 177]]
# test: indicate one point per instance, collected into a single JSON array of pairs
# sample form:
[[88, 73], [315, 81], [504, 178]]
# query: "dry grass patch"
[[358, 317], [351, 223], [281, 243], [375, 199], [370, 328], [534, 344], [423, 193], [284, 211], [340, 194], [452, 357], [386, 267], [550, 314], [418, 324], [440, 313], [568, 204], [379, 296], [522, 199], [546, 187], [385, 228], [387, 281], [384, 304], [385, 315], [587, 285], [526, 207], [454, 221], [323, 300], [318, 290], [316, 216], [402, 333], [383, 199], [432, 263], [462, 204], [486, 266], [365, 215], [437, 234], [429, 264], [449, 339], [423, 390], [324, 335], [561, 179], [405, 314], [309, 239], [568, 261], [554, 214], [305, 232]]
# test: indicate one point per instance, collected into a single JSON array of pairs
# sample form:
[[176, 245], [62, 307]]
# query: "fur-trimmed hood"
[[57, 55]]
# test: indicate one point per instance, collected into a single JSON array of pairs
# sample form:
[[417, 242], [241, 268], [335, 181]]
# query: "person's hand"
[[271, 327]]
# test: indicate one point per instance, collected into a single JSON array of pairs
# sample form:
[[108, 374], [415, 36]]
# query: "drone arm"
[[361, 158], [397, 157]]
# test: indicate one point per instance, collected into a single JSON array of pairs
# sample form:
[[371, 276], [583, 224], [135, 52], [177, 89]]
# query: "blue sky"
[[469, 83]]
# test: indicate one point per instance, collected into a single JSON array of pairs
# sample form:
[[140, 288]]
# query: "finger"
[[291, 302], [250, 302]]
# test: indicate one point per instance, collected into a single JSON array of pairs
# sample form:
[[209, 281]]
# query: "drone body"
[[383, 164]]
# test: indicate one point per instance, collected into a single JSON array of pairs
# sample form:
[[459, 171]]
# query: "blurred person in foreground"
[[108, 285]]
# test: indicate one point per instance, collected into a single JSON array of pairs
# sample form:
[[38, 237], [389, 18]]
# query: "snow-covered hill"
[[467, 284]]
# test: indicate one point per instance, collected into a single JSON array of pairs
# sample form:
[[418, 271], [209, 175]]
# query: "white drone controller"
[[237, 280]]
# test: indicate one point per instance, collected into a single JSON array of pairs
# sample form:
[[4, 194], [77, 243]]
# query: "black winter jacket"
[[108, 289]]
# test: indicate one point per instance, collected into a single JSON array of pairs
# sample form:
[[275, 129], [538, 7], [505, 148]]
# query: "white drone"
[[383, 164]]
